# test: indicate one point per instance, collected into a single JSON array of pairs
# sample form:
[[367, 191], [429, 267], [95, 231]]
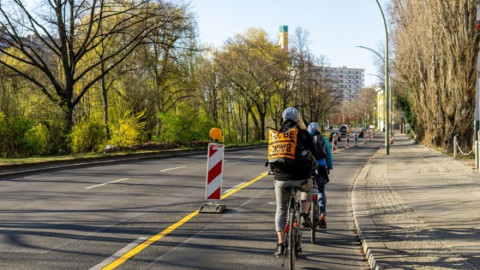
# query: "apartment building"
[[345, 81]]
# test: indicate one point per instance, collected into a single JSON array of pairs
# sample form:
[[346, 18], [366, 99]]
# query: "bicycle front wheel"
[[292, 239]]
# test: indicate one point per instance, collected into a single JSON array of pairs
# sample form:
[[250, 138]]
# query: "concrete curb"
[[360, 215], [24, 169]]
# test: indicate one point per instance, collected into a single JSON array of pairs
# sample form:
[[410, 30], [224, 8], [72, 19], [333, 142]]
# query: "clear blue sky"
[[335, 26]]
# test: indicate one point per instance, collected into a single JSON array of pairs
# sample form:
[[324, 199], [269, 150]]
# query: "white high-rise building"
[[345, 81]]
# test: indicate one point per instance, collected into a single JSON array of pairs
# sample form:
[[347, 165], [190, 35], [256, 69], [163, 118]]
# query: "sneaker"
[[306, 222], [280, 250], [323, 222]]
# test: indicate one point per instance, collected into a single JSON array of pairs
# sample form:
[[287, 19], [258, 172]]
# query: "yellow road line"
[[244, 185], [170, 229]]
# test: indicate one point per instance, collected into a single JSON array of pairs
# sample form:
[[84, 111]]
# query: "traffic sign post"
[[213, 189]]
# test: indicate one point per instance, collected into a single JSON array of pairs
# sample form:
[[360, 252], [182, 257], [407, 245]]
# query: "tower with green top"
[[283, 37]]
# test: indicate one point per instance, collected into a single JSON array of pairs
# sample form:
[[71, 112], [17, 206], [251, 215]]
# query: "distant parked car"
[[362, 132], [344, 130]]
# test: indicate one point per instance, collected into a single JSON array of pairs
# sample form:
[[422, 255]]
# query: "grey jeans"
[[282, 199]]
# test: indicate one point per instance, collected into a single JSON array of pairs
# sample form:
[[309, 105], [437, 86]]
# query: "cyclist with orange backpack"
[[290, 156]]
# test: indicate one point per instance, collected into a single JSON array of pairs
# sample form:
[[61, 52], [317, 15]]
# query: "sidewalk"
[[418, 209]]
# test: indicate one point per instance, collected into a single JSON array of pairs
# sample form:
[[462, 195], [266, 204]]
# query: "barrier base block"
[[212, 208]]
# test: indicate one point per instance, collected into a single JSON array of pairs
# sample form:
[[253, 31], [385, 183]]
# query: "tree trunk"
[[105, 109], [246, 124]]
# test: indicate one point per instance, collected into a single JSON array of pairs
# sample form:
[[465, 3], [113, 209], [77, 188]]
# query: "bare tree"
[[364, 103], [436, 54], [208, 84], [314, 95]]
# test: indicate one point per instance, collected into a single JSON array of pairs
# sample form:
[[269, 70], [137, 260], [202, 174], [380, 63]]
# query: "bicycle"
[[293, 234]]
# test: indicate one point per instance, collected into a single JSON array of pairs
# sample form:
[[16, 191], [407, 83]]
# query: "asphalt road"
[[87, 218]]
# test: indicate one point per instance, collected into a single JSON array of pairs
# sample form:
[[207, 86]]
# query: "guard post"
[[213, 189], [334, 142]]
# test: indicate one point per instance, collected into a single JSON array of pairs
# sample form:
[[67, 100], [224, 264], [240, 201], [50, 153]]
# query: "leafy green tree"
[[253, 67], [186, 126], [55, 40]]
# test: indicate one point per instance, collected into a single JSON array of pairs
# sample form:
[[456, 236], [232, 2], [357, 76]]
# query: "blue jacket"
[[328, 161]]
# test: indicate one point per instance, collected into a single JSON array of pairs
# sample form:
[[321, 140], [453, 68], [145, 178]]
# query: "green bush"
[[52, 136], [20, 138], [38, 136], [185, 127], [87, 136], [128, 130], [411, 133]]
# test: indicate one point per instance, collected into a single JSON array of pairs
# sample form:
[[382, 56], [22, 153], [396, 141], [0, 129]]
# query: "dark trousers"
[[321, 180]]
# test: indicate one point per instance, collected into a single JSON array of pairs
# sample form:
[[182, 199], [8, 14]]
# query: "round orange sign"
[[215, 133]]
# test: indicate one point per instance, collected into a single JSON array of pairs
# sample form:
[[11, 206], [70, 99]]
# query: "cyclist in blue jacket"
[[325, 164]]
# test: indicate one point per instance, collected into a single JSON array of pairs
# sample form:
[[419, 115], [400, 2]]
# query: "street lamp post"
[[387, 83], [388, 98], [372, 50]]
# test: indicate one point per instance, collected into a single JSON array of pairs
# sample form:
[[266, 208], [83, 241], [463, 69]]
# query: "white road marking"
[[247, 157], [111, 182], [230, 189], [169, 169], [119, 253]]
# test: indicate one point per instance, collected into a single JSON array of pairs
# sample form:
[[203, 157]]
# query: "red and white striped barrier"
[[347, 141], [334, 142], [213, 190], [355, 139]]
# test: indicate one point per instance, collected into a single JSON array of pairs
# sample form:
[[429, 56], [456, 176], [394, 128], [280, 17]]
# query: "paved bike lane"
[[244, 237]]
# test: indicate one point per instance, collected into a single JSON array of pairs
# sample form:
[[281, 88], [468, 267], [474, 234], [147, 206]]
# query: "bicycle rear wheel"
[[314, 218], [292, 240]]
